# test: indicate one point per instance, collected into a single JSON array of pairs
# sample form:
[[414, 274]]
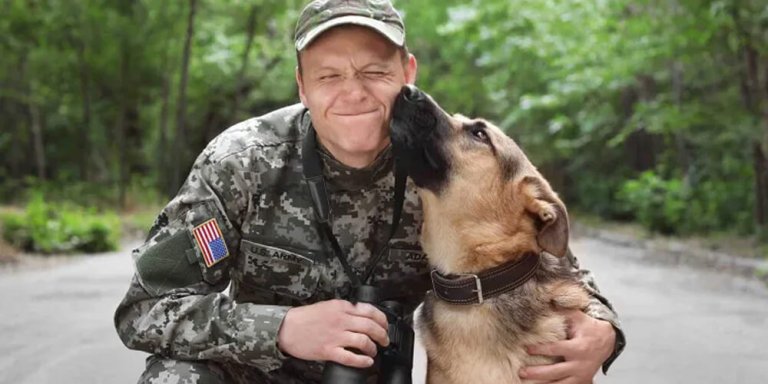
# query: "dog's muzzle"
[[419, 131], [412, 94]]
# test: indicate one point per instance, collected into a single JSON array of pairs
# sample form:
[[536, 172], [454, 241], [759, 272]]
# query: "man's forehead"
[[333, 53]]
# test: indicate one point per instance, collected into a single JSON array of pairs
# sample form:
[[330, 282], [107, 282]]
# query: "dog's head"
[[483, 199]]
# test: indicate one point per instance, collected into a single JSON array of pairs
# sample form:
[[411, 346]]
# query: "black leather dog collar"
[[467, 288]]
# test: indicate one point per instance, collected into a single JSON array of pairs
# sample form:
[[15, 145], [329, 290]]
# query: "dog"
[[495, 234]]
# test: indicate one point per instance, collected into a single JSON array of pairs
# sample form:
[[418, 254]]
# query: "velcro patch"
[[406, 255], [211, 242]]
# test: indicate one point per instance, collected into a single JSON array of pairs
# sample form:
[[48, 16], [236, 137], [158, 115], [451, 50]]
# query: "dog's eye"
[[480, 134]]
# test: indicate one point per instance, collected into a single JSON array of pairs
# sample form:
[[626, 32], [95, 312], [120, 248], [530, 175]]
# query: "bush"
[[670, 206], [595, 193], [49, 228], [658, 204]]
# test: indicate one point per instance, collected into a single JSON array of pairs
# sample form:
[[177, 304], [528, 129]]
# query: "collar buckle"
[[478, 286]]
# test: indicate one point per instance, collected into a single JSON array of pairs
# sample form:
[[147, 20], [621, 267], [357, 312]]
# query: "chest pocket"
[[278, 270]]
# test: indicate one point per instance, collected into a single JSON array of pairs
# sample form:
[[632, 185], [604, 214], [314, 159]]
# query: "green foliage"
[[670, 206], [60, 228], [602, 91], [659, 204], [614, 89], [597, 194]]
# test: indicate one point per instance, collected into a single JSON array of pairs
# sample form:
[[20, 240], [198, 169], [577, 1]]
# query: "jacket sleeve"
[[599, 308], [175, 306]]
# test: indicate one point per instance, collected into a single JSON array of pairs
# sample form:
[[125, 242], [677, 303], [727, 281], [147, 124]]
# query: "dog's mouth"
[[419, 132]]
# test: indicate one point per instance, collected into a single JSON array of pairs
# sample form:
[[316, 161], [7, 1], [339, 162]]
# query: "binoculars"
[[394, 362]]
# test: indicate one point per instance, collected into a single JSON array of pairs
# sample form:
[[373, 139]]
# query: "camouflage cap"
[[321, 15]]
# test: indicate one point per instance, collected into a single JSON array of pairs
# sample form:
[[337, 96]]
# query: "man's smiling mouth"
[[356, 113]]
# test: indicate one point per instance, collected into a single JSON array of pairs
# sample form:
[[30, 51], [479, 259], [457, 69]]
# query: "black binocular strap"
[[313, 176]]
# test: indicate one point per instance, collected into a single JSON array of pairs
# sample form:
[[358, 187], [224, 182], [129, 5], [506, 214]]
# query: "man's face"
[[350, 78]]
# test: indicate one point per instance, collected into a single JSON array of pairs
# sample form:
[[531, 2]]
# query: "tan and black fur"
[[484, 205]]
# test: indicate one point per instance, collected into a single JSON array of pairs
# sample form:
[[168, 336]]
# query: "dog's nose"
[[412, 94]]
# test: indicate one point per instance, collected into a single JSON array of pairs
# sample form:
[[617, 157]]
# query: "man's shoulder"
[[280, 127]]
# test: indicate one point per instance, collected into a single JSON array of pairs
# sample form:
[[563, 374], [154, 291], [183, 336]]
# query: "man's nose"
[[354, 88]]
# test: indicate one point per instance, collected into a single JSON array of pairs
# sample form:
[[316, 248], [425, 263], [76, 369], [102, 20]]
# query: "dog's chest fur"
[[486, 343]]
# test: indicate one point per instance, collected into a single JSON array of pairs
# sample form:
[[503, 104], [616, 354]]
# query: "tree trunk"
[[761, 185], [754, 94], [121, 132], [85, 128], [163, 159], [181, 107], [35, 125], [240, 81], [760, 149], [121, 154], [123, 142], [683, 156], [37, 136]]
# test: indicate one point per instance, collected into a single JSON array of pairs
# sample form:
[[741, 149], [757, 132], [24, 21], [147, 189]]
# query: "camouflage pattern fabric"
[[166, 371], [249, 179], [320, 15]]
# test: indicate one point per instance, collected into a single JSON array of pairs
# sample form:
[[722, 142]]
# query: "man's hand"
[[590, 342], [323, 330]]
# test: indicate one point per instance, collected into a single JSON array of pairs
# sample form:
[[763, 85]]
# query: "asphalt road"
[[683, 325]]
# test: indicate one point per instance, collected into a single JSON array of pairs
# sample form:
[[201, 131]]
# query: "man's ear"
[[549, 211], [411, 69], [300, 84]]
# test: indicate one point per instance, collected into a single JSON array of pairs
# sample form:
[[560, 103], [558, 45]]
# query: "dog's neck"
[[448, 261], [473, 248], [439, 237]]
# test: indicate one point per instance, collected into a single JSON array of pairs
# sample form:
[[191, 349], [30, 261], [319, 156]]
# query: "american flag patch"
[[211, 242]]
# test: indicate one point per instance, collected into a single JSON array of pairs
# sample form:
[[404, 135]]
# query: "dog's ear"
[[552, 218]]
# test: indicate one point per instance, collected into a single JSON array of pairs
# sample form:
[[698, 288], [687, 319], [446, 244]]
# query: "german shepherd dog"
[[495, 234]]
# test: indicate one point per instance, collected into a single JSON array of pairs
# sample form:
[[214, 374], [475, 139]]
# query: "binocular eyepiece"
[[394, 362]]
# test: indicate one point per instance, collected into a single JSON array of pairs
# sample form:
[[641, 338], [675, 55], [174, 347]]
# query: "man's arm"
[[595, 338], [599, 308], [174, 306]]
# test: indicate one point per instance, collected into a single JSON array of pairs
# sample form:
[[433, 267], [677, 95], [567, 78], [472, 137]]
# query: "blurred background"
[[649, 117], [646, 111]]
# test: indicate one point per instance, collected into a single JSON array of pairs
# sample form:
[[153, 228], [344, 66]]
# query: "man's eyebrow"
[[376, 64], [325, 68]]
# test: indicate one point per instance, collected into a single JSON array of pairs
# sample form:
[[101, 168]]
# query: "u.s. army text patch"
[[211, 242]]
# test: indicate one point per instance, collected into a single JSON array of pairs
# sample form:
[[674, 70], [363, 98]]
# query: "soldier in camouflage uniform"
[[244, 219]]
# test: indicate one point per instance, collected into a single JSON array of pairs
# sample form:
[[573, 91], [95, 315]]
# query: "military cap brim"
[[395, 35]]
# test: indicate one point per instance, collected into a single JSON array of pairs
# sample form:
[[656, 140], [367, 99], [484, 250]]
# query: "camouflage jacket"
[[248, 182]]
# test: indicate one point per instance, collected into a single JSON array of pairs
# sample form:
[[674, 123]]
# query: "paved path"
[[56, 325], [683, 325]]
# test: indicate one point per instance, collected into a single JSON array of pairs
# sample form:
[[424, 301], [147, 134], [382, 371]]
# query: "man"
[[244, 216]]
